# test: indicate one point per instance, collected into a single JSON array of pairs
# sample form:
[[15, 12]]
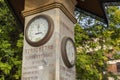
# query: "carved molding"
[[69, 14]]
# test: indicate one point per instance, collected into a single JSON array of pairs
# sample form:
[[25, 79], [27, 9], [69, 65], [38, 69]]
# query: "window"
[[118, 66]]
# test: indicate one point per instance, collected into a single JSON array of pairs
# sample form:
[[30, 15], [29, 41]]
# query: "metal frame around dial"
[[64, 53], [47, 36]]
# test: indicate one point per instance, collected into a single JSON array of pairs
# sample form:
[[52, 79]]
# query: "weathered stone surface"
[[45, 62], [36, 6]]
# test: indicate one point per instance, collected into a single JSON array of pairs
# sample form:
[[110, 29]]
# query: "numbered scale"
[[68, 52], [39, 30]]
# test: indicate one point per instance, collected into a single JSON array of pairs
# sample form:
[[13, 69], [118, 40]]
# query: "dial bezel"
[[64, 52], [48, 34]]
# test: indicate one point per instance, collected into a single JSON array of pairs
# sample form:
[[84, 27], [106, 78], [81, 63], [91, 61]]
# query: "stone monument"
[[49, 50]]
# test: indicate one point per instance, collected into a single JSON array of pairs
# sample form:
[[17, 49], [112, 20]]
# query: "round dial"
[[39, 30], [68, 52]]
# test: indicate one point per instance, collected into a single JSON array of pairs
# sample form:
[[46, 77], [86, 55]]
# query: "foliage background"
[[11, 37], [91, 62], [95, 41]]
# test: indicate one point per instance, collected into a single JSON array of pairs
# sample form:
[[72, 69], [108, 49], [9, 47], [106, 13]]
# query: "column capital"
[[35, 6]]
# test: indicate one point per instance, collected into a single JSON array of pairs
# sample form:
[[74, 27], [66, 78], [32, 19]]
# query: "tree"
[[91, 63], [94, 41], [10, 45]]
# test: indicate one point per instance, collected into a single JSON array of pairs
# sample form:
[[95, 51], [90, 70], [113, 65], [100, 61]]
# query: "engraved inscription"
[[30, 72], [30, 78], [38, 49], [37, 60]]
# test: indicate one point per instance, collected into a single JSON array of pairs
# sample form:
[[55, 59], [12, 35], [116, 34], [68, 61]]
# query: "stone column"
[[45, 62]]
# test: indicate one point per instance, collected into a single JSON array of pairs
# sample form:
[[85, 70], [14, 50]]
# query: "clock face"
[[39, 30], [68, 52]]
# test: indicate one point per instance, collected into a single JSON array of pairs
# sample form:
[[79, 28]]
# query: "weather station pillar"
[[49, 49]]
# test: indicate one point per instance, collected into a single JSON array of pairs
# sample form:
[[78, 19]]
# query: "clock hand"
[[38, 33], [38, 27]]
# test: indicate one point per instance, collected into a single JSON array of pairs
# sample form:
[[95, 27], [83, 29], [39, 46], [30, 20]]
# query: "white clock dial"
[[70, 51], [37, 29]]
